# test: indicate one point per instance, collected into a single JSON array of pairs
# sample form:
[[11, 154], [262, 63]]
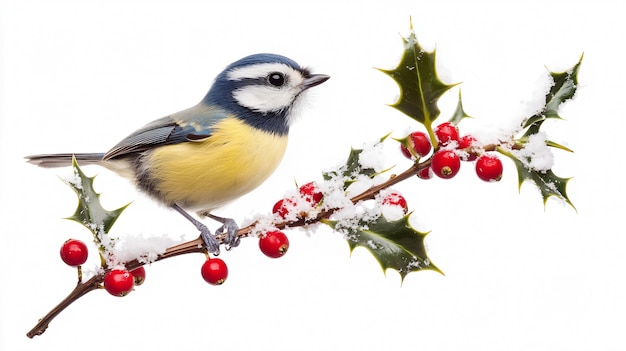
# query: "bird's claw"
[[212, 245], [229, 227]]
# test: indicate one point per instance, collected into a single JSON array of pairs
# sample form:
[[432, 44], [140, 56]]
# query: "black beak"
[[313, 80]]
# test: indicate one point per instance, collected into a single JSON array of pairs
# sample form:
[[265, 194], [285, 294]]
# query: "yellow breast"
[[205, 175]]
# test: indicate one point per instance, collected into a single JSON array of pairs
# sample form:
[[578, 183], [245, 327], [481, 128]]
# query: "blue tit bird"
[[203, 157]]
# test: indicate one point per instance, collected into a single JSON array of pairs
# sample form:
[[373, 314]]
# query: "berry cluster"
[[120, 282], [308, 192], [273, 244], [117, 282], [451, 150]]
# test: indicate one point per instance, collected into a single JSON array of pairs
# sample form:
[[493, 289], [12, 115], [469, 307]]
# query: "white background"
[[80, 75]]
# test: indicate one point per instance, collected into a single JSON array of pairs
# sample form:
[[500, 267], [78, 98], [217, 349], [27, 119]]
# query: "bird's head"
[[262, 90]]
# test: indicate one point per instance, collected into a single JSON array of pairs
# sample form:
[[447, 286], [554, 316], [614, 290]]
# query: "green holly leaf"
[[394, 244], [89, 211], [548, 183], [353, 168], [459, 113], [558, 146], [564, 86], [420, 86]]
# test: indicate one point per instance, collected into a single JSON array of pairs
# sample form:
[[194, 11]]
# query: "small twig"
[[80, 290]]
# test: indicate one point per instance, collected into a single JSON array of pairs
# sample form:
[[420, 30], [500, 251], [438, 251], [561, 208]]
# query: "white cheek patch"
[[265, 99]]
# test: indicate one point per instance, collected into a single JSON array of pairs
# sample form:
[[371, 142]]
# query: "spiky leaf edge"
[[548, 183], [409, 254], [90, 212], [419, 84]]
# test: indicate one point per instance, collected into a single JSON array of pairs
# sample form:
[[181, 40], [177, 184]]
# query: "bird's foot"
[[229, 227], [212, 245]]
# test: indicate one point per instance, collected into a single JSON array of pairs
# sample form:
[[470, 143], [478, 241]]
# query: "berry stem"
[[79, 270], [432, 136]]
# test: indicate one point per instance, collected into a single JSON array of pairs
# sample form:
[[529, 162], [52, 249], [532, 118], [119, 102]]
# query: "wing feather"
[[191, 125]]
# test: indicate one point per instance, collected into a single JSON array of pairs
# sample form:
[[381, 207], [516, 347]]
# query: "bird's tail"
[[64, 160]]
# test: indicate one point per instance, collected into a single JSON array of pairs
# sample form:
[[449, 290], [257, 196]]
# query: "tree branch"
[[80, 290], [197, 245]]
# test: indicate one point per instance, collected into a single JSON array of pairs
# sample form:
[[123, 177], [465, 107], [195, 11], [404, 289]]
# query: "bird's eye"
[[276, 79]]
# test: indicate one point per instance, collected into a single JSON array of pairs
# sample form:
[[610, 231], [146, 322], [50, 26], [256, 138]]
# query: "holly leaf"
[[558, 146], [89, 211], [459, 112], [353, 168], [548, 183], [350, 171], [564, 86], [420, 86], [394, 244]]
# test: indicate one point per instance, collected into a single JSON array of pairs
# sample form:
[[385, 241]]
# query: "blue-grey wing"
[[190, 125]]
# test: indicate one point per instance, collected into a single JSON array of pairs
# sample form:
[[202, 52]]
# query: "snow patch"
[[373, 156], [144, 249], [536, 154], [75, 180]]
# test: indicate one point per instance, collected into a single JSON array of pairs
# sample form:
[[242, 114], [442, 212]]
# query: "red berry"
[[419, 143], [445, 164], [214, 271], [489, 168], [406, 152], [118, 282], [139, 275], [447, 132], [274, 244], [283, 207], [395, 199], [311, 193], [74, 252], [425, 173], [466, 142]]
